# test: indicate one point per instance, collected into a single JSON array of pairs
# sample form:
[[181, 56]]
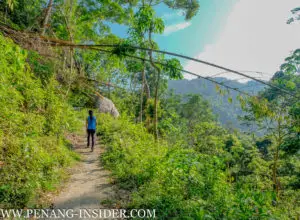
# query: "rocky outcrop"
[[105, 105]]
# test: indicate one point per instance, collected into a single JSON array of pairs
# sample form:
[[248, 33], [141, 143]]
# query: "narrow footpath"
[[89, 185]]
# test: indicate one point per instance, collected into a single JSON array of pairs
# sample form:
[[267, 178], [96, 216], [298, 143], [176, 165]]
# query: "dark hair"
[[91, 114]]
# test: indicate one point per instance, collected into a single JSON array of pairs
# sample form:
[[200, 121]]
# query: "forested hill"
[[226, 110]]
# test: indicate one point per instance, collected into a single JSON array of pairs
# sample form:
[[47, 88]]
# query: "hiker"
[[91, 124]]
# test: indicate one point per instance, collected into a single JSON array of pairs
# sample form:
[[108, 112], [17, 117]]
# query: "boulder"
[[105, 105]]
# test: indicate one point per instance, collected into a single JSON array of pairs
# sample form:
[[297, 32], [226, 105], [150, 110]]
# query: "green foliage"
[[277, 113], [184, 183], [11, 4], [296, 15], [33, 120], [190, 8], [17, 11], [145, 19], [123, 49], [195, 170], [43, 69], [172, 68]]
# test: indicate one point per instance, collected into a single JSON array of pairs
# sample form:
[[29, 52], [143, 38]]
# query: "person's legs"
[[88, 138], [93, 139]]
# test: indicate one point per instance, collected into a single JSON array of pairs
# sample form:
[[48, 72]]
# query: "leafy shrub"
[[180, 182], [33, 119]]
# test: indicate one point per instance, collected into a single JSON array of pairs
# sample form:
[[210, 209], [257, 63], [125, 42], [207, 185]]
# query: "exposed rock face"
[[105, 105]]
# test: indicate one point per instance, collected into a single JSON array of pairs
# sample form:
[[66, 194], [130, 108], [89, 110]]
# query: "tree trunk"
[[147, 89], [142, 93], [47, 17], [156, 86], [156, 105], [275, 178], [279, 139]]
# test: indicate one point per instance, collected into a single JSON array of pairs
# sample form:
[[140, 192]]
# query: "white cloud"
[[255, 37], [176, 27]]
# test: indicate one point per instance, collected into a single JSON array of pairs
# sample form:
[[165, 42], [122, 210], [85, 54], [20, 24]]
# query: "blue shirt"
[[91, 123]]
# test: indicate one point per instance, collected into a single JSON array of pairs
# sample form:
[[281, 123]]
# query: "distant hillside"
[[227, 112]]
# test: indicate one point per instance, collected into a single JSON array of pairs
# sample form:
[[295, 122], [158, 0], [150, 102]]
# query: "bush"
[[173, 180], [33, 120], [180, 183]]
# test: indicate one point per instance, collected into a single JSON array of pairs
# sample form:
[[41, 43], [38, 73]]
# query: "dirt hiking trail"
[[89, 184]]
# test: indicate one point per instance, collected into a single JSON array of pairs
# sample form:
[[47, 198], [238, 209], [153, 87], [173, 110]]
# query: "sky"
[[255, 37], [244, 35]]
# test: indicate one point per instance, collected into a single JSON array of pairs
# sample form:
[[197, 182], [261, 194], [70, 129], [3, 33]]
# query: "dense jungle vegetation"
[[167, 150]]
